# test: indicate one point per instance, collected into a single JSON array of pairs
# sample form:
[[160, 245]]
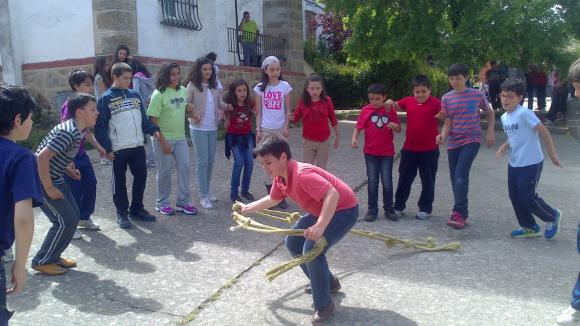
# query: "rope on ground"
[[247, 223]]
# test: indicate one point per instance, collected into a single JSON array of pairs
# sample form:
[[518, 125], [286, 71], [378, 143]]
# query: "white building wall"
[[52, 30], [170, 42], [316, 8]]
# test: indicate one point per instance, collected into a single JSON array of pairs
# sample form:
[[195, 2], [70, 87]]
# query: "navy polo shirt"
[[19, 181]]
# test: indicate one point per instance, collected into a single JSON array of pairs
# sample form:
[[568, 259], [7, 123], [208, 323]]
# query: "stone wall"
[[283, 19], [115, 22]]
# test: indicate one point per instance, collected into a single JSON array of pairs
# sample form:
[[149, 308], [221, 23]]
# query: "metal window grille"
[[181, 13]]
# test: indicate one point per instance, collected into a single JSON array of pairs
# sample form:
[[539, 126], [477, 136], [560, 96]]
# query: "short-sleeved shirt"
[[19, 181], [240, 122], [64, 139], [273, 104], [422, 126], [307, 185], [462, 108], [63, 118], [315, 119], [379, 140], [250, 27], [519, 125], [169, 107]]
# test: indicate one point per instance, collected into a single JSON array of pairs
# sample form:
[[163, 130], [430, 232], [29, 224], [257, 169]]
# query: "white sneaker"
[[397, 213], [206, 203], [212, 198], [105, 161], [422, 215], [569, 317], [78, 235], [8, 255], [89, 224]]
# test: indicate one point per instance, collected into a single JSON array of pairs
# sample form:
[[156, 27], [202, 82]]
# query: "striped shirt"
[[462, 108], [64, 139]]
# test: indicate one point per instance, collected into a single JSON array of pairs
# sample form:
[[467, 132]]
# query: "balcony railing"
[[181, 13], [251, 48]]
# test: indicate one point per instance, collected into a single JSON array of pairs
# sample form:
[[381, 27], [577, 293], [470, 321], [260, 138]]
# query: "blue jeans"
[[4, 314], [205, 143], [379, 166], [576, 292], [250, 50], [85, 189], [242, 148], [460, 160], [317, 270]]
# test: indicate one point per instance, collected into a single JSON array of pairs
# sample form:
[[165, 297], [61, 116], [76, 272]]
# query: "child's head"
[[122, 53], [574, 75], [122, 74], [313, 89], [421, 88], [81, 81], [274, 153], [203, 72], [512, 93], [83, 107], [493, 64], [271, 71], [139, 67], [169, 76], [457, 75], [16, 106], [239, 92], [377, 94]]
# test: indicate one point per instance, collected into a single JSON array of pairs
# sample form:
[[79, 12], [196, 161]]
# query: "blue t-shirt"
[[519, 126], [19, 181]]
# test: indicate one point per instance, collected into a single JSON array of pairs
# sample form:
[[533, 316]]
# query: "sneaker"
[[8, 255], [143, 215], [50, 269], [123, 221], [212, 198], [187, 209], [323, 315], [164, 209], [66, 263], [526, 232], [551, 228], [105, 161], [236, 198], [206, 203], [569, 317], [456, 220], [334, 286], [398, 213], [391, 216], [422, 215], [89, 224], [78, 235], [248, 196], [370, 217]]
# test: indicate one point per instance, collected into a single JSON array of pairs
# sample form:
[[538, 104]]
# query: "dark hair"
[[78, 77], [230, 97], [306, 99], [265, 79], [120, 68], [377, 88], [100, 63], [421, 80], [119, 48], [513, 85], [273, 145], [493, 62], [14, 100], [246, 12], [77, 101], [195, 74], [163, 81], [458, 69], [212, 56], [137, 66]]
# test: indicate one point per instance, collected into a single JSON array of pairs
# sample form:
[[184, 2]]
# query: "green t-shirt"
[[252, 27], [169, 108]]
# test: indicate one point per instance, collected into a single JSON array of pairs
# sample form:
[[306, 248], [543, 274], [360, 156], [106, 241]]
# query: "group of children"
[[65, 185]]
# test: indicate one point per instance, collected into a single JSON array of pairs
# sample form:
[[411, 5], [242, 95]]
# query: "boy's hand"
[[392, 125], [390, 104], [336, 139], [490, 138], [501, 151], [75, 174], [102, 151], [54, 193], [439, 139], [354, 143], [19, 276], [111, 156], [314, 232], [556, 161]]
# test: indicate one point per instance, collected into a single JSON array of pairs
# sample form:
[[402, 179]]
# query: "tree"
[[471, 31]]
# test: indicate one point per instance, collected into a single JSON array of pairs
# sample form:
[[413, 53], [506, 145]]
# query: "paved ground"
[[192, 268]]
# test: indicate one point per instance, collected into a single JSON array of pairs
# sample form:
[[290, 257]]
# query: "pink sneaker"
[[456, 220], [187, 209], [164, 209]]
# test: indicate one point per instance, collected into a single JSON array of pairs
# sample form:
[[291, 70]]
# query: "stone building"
[[43, 41]]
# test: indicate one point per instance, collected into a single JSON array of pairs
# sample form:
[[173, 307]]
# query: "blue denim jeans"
[[379, 166], [85, 189], [317, 270], [4, 314], [460, 160], [205, 143], [243, 159], [576, 292]]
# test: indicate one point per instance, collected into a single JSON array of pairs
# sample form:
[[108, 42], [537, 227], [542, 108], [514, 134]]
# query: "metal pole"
[[236, 4]]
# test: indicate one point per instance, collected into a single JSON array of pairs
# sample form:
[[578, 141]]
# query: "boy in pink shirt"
[[332, 210]]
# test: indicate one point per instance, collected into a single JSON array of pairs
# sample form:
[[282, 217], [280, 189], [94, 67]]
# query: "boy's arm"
[[260, 204], [442, 137], [24, 230], [329, 204], [490, 134], [102, 126], [44, 158], [148, 127], [354, 141], [549, 143], [93, 141], [502, 150]]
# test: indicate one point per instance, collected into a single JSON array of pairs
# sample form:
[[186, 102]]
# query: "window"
[[181, 13]]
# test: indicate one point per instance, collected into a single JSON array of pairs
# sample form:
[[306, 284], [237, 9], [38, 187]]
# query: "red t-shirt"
[[422, 126], [240, 121], [308, 184], [378, 138], [316, 117]]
